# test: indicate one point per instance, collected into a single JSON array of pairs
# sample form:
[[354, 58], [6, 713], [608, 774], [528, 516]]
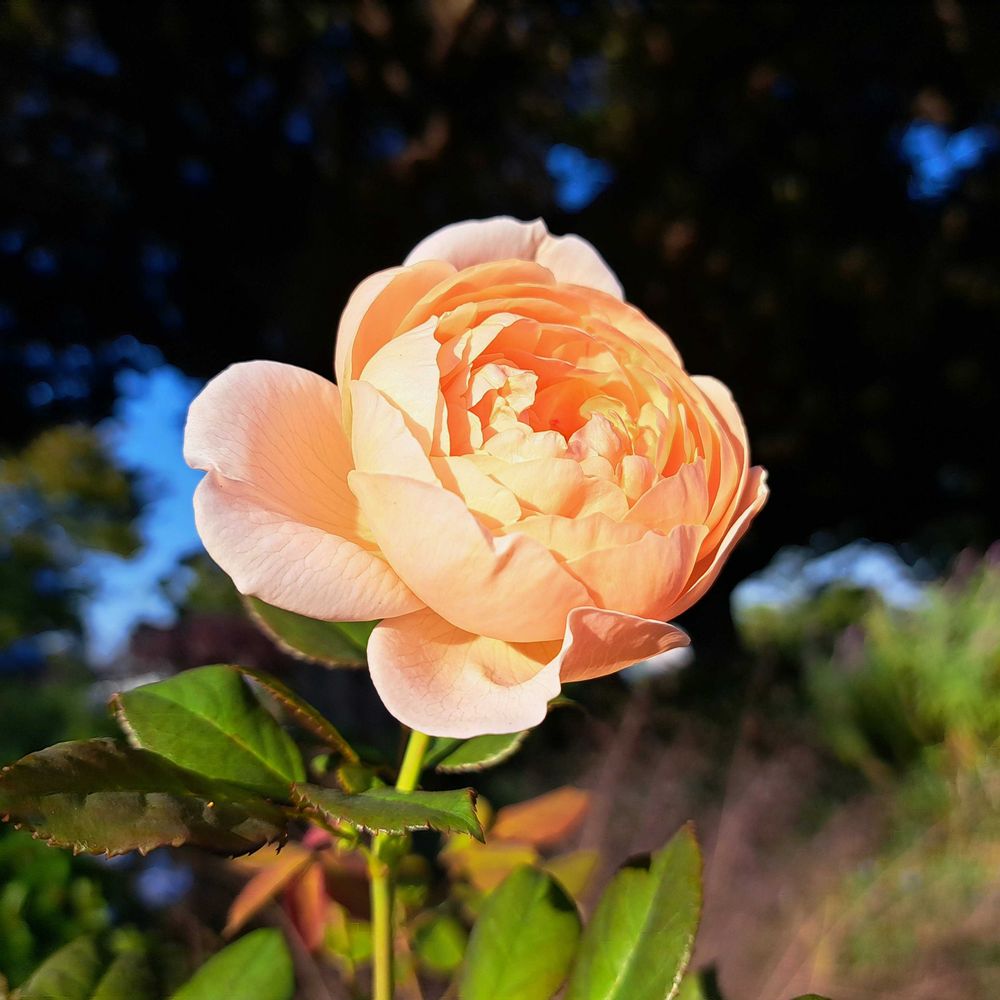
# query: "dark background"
[[213, 179]]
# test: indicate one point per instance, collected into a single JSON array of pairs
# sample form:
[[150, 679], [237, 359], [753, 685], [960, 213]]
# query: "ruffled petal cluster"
[[516, 475]]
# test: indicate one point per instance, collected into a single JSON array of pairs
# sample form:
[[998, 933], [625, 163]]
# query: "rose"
[[516, 475]]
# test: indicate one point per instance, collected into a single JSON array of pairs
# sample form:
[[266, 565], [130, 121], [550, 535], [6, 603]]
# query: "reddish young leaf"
[[265, 886], [545, 821]]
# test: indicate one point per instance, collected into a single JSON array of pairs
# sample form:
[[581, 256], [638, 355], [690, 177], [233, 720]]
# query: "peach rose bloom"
[[516, 475]]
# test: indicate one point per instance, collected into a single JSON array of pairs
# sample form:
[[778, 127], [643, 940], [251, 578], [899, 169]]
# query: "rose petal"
[[292, 565], [754, 498], [645, 578], [679, 499], [405, 372], [571, 259], [354, 312], [275, 511], [440, 680], [387, 304], [495, 504], [508, 588], [599, 642], [381, 440]]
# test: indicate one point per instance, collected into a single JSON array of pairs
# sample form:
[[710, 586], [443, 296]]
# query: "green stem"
[[380, 875], [380, 878], [413, 761]]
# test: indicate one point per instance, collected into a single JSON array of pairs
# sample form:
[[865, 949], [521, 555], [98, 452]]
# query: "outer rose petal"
[[275, 511], [374, 313], [354, 312], [754, 497], [643, 578], [571, 259], [509, 587], [440, 680], [602, 642]]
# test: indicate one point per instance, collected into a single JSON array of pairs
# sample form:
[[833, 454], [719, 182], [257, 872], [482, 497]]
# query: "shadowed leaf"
[[453, 756], [333, 644], [128, 976], [639, 941], [207, 720], [102, 796], [385, 809], [523, 942], [307, 903], [70, 974], [302, 712], [257, 967]]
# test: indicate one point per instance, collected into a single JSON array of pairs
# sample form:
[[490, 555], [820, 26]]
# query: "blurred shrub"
[[47, 898], [900, 682], [807, 629], [60, 496]]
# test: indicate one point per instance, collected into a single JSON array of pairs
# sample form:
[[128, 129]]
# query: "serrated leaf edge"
[[309, 808], [77, 848], [486, 762], [323, 730]]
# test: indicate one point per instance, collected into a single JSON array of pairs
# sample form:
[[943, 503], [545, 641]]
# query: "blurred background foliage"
[[805, 196]]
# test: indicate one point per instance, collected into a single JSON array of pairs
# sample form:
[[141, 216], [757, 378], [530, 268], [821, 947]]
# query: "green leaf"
[[102, 796], [639, 941], [385, 809], [347, 941], [453, 756], [333, 644], [302, 712], [128, 976], [207, 720], [691, 989], [257, 967], [69, 974], [439, 943], [523, 943]]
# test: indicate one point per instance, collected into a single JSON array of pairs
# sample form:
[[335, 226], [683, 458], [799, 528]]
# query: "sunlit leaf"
[[333, 644], [348, 941], [690, 988], [523, 942], [70, 974], [639, 941], [439, 943], [207, 720], [486, 865], [302, 712], [543, 821], [453, 756], [573, 870], [102, 796], [256, 967], [386, 809]]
